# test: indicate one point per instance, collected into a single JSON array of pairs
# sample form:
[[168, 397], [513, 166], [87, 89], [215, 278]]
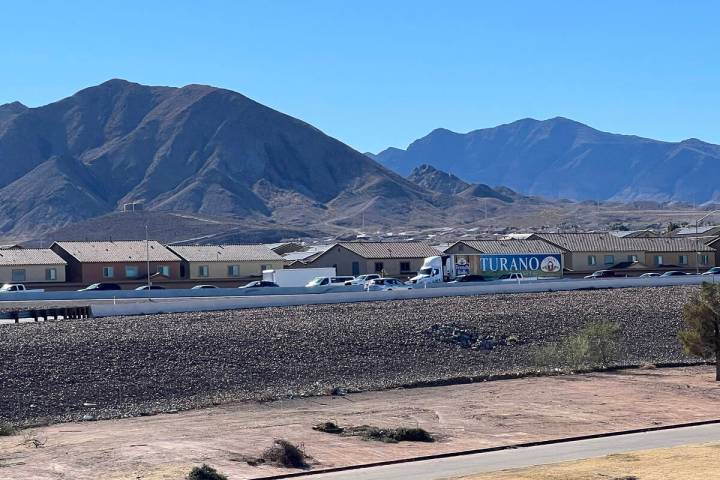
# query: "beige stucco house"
[[31, 265], [226, 262]]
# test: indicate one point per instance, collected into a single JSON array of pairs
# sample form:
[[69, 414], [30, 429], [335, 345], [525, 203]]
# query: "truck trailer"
[[296, 277], [528, 266]]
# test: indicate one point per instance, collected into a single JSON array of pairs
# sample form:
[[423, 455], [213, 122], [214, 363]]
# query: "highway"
[[452, 467]]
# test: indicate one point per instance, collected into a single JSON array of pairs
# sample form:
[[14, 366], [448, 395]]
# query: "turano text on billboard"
[[494, 266]]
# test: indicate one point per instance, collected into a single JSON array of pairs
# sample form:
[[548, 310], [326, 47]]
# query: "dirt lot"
[[461, 417], [692, 462]]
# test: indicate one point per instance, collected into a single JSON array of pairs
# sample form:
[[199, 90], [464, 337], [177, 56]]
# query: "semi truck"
[[296, 277], [516, 266]]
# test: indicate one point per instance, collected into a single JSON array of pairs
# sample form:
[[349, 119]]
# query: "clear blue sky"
[[383, 73]]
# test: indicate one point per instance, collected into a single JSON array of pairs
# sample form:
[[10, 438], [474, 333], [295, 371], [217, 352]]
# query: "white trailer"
[[296, 277]]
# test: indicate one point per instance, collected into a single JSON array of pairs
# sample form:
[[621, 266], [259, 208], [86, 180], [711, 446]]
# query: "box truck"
[[296, 277]]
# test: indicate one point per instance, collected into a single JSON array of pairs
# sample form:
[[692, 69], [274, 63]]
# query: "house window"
[[108, 272], [404, 266], [705, 259], [164, 270], [233, 270], [18, 275], [658, 260], [50, 274], [379, 267], [263, 268], [592, 260], [203, 271], [632, 258], [609, 259], [683, 259], [131, 271]]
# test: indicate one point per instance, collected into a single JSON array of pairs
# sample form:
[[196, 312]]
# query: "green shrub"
[[594, 346], [7, 429], [205, 472]]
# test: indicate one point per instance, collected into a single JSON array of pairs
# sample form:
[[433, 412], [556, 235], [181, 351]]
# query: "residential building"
[[588, 252], [700, 231], [31, 265], [634, 233], [502, 247], [402, 259], [226, 262], [123, 262]]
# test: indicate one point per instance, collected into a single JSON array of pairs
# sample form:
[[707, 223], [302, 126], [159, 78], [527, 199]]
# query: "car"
[[386, 284], [260, 284], [101, 286], [601, 274], [150, 287], [673, 273], [470, 278], [649, 274], [362, 279], [325, 281], [202, 287], [712, 271]]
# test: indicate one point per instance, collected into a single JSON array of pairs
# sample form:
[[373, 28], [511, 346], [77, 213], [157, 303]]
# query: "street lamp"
[[697, 243]]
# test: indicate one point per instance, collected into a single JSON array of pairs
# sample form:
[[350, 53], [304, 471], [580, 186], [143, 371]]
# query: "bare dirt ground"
[[461, 417], [691, 462]]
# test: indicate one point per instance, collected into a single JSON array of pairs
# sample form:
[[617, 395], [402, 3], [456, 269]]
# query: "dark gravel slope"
[[136, 365]]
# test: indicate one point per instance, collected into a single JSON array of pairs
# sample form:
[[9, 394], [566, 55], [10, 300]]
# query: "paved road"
[[525, 457]]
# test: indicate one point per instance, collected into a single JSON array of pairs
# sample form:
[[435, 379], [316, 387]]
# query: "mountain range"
[[562, 158], [198, 149], [211, 165]]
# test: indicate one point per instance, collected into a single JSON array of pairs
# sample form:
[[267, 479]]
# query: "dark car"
[[101, 286], [602, 274], [150, 287], [673, 273], [471, 278], [260, 283]]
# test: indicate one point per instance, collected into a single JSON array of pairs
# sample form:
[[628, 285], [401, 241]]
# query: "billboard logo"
[[550, 265]]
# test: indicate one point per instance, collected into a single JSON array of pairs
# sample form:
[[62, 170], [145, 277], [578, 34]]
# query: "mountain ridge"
[[560, 157]]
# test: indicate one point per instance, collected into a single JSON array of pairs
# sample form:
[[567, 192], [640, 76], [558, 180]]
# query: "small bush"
[[328, 427], [368, 432], [7, 429], [285, 454], [205, 472], [594, 346]]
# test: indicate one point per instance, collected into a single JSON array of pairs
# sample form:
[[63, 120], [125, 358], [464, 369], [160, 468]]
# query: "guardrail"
[[431, 291], [46, 314]]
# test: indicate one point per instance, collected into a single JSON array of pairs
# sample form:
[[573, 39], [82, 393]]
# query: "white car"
[[325, 281], [362, 279], [386, 284], [649, 274]]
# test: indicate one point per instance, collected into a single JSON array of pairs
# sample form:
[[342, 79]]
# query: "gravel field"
[[127, 366]]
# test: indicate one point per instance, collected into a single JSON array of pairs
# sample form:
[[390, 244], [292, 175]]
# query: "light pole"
[[697, 243], [147, 256]]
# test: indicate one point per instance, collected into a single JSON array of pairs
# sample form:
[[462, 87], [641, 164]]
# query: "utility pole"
[[147, 254]]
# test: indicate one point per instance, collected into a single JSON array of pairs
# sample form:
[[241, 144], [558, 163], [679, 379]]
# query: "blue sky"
[[383, 73]]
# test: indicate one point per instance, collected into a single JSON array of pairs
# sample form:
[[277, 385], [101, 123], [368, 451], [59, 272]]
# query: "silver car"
[[386, 284]]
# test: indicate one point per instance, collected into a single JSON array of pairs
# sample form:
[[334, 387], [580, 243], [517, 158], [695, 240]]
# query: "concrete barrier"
[[169, 305]]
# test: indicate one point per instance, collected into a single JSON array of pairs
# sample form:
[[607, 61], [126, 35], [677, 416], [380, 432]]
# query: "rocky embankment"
[[112, 367]]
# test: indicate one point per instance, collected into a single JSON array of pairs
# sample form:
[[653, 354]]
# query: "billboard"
[[494, 266]]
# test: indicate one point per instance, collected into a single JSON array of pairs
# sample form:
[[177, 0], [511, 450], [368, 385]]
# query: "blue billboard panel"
[[530, 265]]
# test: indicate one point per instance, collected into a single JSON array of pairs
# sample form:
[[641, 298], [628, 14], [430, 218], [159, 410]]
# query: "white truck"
[[18, 287], [296, 277], [510, 267]]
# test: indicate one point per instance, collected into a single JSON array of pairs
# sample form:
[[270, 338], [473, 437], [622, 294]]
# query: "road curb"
[[488, 450]]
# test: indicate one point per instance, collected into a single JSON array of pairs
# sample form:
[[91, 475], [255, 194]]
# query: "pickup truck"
[[17, 287]]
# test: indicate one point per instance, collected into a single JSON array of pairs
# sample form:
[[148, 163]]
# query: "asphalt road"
[[525, 457]]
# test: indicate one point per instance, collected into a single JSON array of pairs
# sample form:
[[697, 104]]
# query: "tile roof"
[[308, 253], [605, 242], [391, 249], [511, 246], [30, 256], [120, 251], [226, 253]]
